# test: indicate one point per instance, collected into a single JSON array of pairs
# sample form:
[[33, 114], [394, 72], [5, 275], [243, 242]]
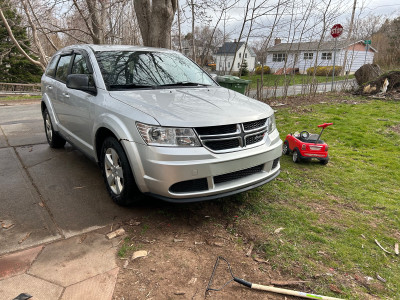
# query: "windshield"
[[143, 69]]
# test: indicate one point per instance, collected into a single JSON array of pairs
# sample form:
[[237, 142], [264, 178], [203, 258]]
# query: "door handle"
[[65, 95], [49, 87]]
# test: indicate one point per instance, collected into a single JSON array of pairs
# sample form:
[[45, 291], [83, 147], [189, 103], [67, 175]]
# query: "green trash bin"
[[233, 83]]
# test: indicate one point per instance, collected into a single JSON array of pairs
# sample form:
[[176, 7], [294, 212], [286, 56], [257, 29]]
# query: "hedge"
[[267, 70], [324, 71]]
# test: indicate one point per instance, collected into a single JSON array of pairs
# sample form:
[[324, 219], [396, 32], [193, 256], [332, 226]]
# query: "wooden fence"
[[16, 88]]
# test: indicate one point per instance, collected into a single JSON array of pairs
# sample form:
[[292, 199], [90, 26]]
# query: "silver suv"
[[157, 124]]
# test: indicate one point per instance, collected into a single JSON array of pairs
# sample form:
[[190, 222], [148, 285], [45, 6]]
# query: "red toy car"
[[305, 146]]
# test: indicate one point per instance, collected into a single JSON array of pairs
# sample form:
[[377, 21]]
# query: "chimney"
[[277, 41]]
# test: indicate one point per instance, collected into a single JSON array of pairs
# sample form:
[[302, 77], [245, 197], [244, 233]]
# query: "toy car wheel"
[[285, 148], [296, 156], [324, 161]]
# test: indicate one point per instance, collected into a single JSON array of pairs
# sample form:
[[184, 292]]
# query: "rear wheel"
[[117, 173], [53, 138], [285, 148], [324, 161], [296, 156]]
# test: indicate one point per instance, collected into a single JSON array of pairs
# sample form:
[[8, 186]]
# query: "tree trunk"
[[155, 21], [349, 36]]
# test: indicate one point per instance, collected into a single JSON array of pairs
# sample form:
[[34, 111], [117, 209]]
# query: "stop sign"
[[336, 30]]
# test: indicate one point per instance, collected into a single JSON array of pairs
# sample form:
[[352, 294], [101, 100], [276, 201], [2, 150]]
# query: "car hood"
[[194, 107]]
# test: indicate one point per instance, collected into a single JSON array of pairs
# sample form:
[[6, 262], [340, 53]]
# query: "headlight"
[[271, 123], [168, 136]]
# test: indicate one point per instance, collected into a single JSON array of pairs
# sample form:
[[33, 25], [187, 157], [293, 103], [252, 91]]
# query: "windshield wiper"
[[184, 83], [128, 86]]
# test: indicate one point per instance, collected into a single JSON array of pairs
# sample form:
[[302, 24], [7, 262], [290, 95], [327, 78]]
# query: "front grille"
[[216, 130], [232, 137], [222, 144], [254, 138], [254, 124], [238, 174], [188, 186]]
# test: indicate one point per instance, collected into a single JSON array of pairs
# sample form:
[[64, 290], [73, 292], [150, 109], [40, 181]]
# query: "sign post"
[[367, 43], [336, 31]]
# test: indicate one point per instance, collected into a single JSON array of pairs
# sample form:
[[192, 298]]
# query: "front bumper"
[[157, 169]]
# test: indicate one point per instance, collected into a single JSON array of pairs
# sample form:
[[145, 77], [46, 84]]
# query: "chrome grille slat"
[[249, 134]]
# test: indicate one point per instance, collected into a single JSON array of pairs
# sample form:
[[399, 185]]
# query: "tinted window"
[[79, 66], [62, 68], [149, 69], [51, 69]]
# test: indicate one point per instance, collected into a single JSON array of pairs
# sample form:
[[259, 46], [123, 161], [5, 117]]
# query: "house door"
[[296, 60]]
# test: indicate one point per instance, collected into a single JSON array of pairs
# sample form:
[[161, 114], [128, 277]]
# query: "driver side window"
[[79, 66]]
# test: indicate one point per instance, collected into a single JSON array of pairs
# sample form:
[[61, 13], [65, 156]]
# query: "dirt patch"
[[182, 249], [298, 102]]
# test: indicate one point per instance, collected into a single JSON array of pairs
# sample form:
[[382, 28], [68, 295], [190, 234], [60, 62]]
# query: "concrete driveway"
[[47, 194]]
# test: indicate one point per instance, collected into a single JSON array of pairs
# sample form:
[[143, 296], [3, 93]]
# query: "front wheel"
[[296, 156], [53, 138], [285, 148], [117, 173]]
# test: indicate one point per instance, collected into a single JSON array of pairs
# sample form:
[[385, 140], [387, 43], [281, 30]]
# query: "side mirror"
[[82, 82]]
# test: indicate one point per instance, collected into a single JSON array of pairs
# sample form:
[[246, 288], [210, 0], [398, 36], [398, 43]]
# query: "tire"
[[296, 156], [53, 137], [324, 161], [285, 148], [117, 173]]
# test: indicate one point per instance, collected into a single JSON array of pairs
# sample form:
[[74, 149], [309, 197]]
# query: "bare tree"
[[155, 20]]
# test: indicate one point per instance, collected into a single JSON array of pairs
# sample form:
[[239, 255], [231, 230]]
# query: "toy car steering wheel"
[[304, 134]]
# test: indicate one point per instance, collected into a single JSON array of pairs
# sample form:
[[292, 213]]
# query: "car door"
[[48, 80], [79, 104], [59, 90]]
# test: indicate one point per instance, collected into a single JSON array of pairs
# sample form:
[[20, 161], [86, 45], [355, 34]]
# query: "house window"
[[326, 55], [308, 55], [229, 64], [240, 55], [245, 55], [279, 57], [238, 65]]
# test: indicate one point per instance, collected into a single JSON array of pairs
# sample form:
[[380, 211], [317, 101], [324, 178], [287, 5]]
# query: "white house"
[[288, 57], [226, 53]]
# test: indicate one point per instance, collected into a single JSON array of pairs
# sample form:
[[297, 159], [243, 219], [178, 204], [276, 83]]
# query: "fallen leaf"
[[41, 204], [335, 289], [126, 263], [192, 281], [140, 253], [178, 240], [396, 248], [199, 243], [7, 224], [278, 230], [218, 244]]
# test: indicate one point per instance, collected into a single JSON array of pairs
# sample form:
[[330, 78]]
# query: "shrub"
[[244, 71], [324, 71], [267, 70]]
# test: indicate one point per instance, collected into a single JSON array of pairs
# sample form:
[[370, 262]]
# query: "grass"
[[126, 248], [281, 80], [19, 97], [328, 210]]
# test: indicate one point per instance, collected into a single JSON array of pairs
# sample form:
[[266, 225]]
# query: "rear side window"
[[79, 66], [62, 68], [51, 69]]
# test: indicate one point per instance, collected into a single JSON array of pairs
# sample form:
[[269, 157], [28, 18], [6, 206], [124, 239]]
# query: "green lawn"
[[19, 97], [328, 210], [280, 80]]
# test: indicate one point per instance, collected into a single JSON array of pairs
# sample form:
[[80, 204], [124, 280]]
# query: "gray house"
[[226, 53], [288, 57]]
